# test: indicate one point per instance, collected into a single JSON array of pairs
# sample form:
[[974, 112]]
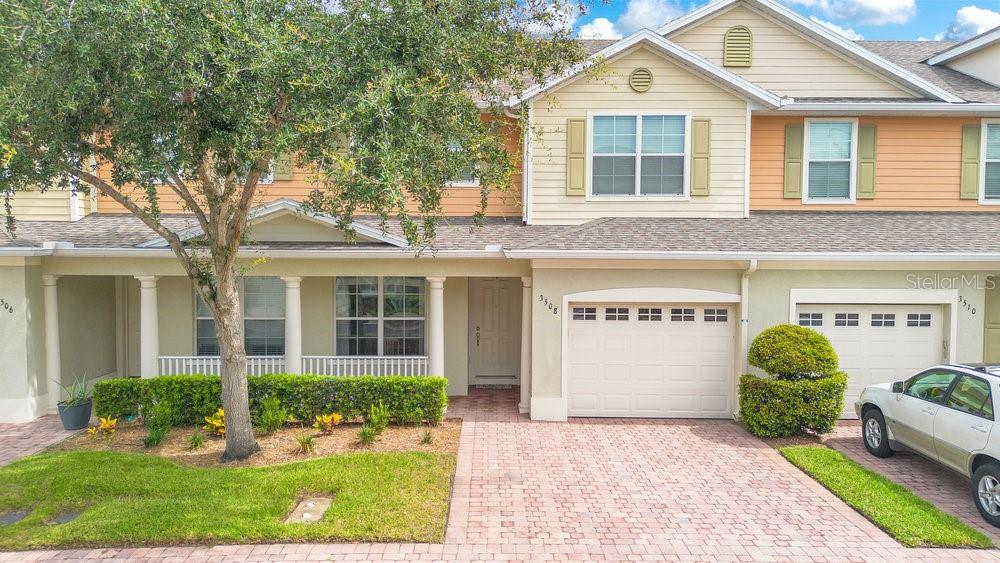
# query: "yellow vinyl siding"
[[784, 61], [982, 64], [51, 205], [673, 90]]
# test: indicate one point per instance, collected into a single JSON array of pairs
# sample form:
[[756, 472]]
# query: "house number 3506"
[[548, 304], [6, 306]]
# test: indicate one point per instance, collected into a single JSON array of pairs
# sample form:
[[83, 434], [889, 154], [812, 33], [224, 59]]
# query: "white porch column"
[[53, 368], [435, 320], [293, 324], [149, 327], [526, 301]]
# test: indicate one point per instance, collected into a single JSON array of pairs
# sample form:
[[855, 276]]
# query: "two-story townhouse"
[[736, 168]]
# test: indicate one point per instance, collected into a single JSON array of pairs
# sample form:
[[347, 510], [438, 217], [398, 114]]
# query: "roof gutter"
[[881, 108], [389, 253], [753, 256]]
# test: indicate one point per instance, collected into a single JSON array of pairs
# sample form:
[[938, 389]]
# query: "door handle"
[[980, 428]]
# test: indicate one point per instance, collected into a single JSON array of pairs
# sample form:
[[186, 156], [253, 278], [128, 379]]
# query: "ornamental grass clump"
[[804, 390]]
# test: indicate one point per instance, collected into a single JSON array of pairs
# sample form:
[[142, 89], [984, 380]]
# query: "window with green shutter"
[[991, 163], [639, 155], [830, 157]]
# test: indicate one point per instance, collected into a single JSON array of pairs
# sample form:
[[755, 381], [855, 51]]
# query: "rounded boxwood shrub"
[[793, 352], [775, 408]]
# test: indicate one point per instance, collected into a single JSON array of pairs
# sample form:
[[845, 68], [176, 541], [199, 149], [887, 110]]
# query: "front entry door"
[[494, 331]]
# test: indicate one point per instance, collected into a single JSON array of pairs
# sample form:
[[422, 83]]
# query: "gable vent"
[[640, 80], [737, 47]]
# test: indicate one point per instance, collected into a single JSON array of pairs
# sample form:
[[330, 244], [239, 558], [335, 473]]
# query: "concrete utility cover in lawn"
[[62, 518], [309, 510], [13, 517]]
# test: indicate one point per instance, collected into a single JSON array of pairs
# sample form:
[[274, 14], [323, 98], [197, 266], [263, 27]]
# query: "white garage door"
[[878, 343], [650, 360]]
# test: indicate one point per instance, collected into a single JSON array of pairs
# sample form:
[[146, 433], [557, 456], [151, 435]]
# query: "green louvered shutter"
[[793, 161], [576, 156], [867, 138], [969, 182], [701, 150], [283, 167]]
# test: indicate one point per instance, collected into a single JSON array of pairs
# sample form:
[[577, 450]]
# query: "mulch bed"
[[277, 447]]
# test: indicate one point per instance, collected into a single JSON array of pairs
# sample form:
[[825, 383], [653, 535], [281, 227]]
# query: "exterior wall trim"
[[853, 174], [946, 297], [982, 162], [970, 46]]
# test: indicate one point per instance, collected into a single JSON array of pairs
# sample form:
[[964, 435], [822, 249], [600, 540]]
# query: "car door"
[[964, 424], [912, 418]]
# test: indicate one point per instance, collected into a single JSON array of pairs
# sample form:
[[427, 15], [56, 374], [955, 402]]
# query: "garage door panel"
[[883, 346], [650, 367]]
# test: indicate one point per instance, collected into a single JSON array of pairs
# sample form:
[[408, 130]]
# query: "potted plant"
[[74, 410]]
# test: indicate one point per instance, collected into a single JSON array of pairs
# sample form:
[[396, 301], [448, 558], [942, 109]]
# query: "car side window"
[[972, 395], [930, 386]]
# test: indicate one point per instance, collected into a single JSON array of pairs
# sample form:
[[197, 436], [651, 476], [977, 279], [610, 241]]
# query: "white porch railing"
[[319, 365], [212, 365], [365, 365]]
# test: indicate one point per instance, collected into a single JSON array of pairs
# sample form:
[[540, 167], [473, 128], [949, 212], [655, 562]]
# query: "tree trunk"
[[240, 442]]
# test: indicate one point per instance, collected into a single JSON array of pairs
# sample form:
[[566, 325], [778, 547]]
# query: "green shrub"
[[407, 399], [773, 408], [378, 418], [155, 436], [272, 416], [793, 352], [158, 418], [427, 438], [303, 444], [196, 441], [366, 434]]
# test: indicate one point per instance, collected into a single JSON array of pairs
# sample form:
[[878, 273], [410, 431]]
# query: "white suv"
[[945, 413]]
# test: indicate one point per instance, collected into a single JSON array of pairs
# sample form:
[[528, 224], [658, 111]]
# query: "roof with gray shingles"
[[911, 56], [764, 232]]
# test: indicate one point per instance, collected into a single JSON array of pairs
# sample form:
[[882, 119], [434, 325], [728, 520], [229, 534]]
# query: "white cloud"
[[647, 13], [600, 28], [969, 21], [561, 16], [638, 14], [845, 31], [864, 12]]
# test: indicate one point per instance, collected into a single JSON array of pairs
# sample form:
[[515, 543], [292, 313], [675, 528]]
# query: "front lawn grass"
[[139, 499], [911, 520]]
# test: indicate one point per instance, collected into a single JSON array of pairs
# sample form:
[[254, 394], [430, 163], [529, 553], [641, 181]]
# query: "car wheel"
[[874, 435], [986, 492]]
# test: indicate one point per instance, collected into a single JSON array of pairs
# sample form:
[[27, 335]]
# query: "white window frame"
[[241, 290], [380, 318], [636, 196], [475, 183], [982, 162], [853, 174]]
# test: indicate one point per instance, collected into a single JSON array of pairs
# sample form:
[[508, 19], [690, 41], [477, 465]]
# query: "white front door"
[[878, 343], [650, 360], [494, 331]]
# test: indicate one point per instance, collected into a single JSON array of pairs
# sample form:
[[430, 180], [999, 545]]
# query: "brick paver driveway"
[[607, 490], [948, 490]]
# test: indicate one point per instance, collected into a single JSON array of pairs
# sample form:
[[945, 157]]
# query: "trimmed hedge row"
[[776, 408], [409, 399]]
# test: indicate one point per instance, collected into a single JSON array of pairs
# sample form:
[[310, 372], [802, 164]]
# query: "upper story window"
[[991, 161], [831, 160], [467, 178], [639, 155], [263, 319]]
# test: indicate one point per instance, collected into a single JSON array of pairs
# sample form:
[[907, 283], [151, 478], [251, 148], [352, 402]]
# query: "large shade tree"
[[379, 100]]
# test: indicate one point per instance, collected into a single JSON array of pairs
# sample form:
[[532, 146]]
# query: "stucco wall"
[[86, 327], [22, 360], [769, 296], [553, 284]]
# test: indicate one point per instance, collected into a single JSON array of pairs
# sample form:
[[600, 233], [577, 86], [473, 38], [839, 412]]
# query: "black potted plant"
[[74, 410]]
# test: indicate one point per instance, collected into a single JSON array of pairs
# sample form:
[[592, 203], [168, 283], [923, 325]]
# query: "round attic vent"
[[640, 80]]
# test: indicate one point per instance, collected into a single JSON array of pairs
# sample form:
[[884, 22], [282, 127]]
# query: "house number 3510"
[[548, 304], [6, 306]]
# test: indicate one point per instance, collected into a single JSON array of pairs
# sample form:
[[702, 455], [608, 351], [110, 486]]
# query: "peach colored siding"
[[917, 165], [457, 202]]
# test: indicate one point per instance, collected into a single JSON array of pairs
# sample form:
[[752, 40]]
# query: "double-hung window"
[[467, 178], [639, 155], [991, 161], [263, 319], [831, 153], [380, 316]]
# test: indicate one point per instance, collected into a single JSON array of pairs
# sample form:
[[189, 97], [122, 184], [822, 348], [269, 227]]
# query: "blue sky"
[[856, 19]]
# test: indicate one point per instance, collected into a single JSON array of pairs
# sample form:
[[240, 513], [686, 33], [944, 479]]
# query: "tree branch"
[[180, 188]]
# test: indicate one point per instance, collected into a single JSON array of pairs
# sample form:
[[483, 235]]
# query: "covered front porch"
[[378, 318]]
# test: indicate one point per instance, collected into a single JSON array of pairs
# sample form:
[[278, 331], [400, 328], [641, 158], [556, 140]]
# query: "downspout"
[[746, 165], [744, 337]]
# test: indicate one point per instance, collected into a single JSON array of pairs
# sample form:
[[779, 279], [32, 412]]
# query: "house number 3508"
[[6, 306], [548, 304]]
